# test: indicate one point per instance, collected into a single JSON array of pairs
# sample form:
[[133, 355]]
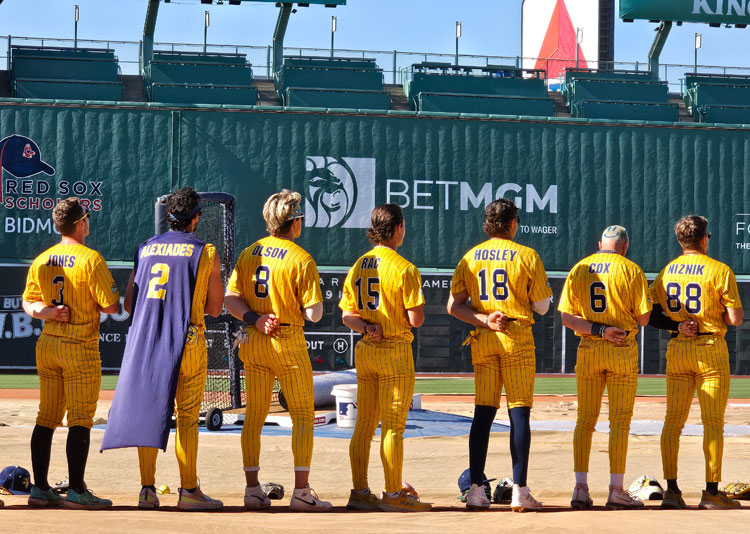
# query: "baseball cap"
[[464, 481], [615, 232], [16, 479], [21, 157]]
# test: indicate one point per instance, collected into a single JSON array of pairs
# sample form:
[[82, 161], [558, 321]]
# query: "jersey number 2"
[[156, 289]]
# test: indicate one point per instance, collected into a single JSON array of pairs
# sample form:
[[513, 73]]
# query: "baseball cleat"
[[363, 501], [39, 498], [523, 501], [673, 501], [619, 499], [147, 499], [404, 501], [306, 500], [197, 501], [477, 498], [85, 501], [720, 501], [256, 499], [581, 499]]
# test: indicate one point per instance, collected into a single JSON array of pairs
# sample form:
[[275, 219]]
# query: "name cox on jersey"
[[419, 193]]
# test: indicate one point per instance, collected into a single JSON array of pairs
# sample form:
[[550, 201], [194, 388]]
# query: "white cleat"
[[581, 499], [619, 499], [306, 500], [523, 501], [255, 498], [477, 498]]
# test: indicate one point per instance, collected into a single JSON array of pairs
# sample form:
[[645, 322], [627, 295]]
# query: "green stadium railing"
[[474, 85], [208, 57], [490, 105], [635, 111], [336, 98], [320, 61]]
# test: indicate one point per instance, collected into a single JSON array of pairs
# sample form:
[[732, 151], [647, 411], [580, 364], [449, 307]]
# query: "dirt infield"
[[432, 465]]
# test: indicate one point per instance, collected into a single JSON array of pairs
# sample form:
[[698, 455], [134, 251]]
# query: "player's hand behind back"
[[61, 314], [615, 335], [498, 321], [267, 324], [375, 331]]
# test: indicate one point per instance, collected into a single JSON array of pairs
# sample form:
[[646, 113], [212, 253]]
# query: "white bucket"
[[346, 405]]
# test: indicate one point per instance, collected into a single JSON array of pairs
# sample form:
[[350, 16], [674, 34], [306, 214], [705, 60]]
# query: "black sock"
[[479, 440], [672, 484], [192, 490], [520, 442], [41, 449], [152, 488], [712, 487], [77, 450]]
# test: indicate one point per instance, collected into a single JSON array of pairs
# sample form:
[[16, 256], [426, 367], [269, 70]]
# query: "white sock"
[[362, 491], [617, 480], [392, 494], [582, 478]]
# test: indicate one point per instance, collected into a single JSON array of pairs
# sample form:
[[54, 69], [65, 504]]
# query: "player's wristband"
[[487, 322], [250, 317], [597, 329]]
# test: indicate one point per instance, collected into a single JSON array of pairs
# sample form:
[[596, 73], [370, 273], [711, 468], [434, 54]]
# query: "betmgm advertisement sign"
[[711, 11], [556, 32]]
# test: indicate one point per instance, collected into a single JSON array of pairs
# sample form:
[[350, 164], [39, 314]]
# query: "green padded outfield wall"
[[571, 179]]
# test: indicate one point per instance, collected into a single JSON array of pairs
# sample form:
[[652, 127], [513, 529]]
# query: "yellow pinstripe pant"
[[286, 358], [70, 376], [601, 364], [507, 359], [701, 364], [385, 386], [191, 384]]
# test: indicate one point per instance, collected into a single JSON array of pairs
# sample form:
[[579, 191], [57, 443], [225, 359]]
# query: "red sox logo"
[[20, 156], [27, 152]]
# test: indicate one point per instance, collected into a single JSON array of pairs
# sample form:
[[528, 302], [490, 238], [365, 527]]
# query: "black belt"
[[675, 334]]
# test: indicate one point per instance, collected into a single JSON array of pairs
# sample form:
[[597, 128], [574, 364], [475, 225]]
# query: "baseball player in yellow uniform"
[[699, 294], [68, 286], [506, 283], [604, 300], [274, 287], [183, 211], [383, 300]]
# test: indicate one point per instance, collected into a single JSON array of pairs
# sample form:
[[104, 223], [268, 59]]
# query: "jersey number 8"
[[692, 291]]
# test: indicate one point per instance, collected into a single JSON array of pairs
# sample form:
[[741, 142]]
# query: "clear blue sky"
[[490, 27]]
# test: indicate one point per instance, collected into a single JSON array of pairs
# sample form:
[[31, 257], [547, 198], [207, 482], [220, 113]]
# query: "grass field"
[[564, 385]]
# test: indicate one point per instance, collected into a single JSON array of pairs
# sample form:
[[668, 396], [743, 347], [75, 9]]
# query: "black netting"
[[216, 226]]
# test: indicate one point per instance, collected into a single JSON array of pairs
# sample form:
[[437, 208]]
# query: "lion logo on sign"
[[331, 192]]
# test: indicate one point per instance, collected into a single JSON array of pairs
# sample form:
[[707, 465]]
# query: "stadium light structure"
[[698, 45], [579, 40], [458, 36], [75, 29], [206, 24], [334, 22]]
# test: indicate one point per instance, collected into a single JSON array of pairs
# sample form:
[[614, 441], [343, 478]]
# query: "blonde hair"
[[276, 211]]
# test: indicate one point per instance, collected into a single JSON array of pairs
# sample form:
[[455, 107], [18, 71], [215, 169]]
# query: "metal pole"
[[268, 62], [9, 39], [75, 31], [698, 44], [458, 36], [333, 32], [206, 24]]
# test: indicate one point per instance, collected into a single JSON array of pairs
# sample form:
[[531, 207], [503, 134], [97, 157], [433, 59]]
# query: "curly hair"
[[383, 222], [181, 208], [66, 214], [690, 230], [498, 217], [277, 209]]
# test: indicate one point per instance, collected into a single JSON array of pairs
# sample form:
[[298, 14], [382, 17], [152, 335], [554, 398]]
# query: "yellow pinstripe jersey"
[[78, 277], [609, 289], [501, 275], [694, 286], [380, 287], [277, 276], [197, 312]]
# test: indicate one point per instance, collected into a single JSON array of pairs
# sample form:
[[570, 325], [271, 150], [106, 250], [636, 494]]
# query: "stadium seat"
[[491, 105], [319, 61], [619, 91], [67, 89], [336, 98], [488, 85], [329, 78], [572, 74], [724, 114], [191, 57], [198, 73], [202, 94]]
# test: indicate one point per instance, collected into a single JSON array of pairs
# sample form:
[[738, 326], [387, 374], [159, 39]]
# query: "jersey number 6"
[[598, 297]]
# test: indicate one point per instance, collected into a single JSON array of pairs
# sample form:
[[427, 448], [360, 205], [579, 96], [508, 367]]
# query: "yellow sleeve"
[[412, 288], [539, 288], [730, 296], [234, 283], [308, 288], [568, 301], [349, 298], [32, 293], [102, 285], [458, 284], [653, 290], [640, 295]]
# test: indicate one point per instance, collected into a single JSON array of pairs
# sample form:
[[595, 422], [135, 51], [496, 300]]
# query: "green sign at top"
[[710, 11]]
